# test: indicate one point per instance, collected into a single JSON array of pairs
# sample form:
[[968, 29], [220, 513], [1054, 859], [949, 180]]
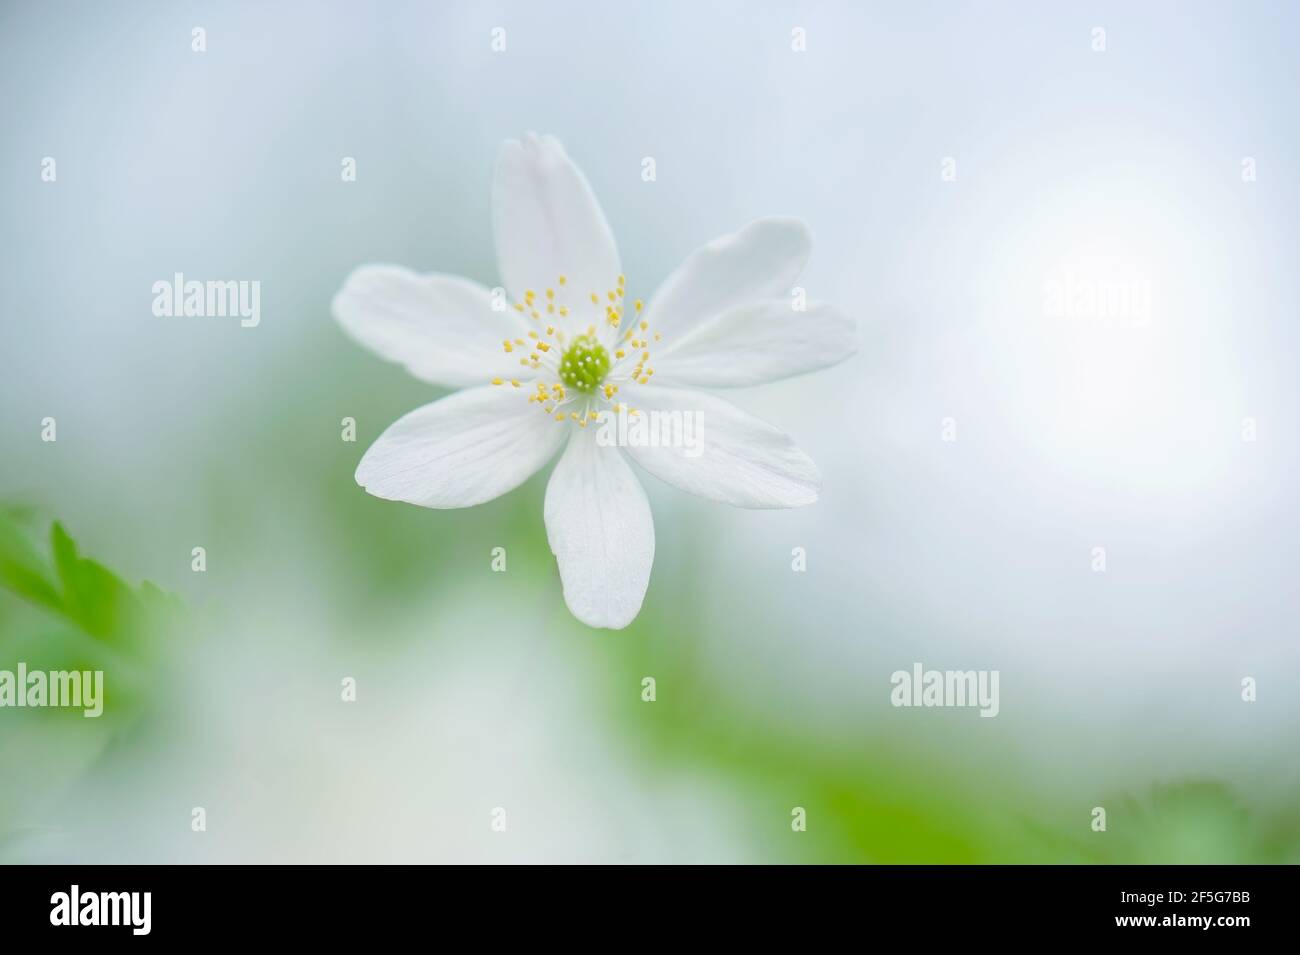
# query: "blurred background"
[[959, 165]]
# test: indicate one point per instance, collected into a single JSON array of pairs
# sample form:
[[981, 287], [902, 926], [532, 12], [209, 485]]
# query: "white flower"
[[571, 343]]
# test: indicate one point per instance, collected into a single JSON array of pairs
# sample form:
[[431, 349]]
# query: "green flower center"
[[584, 364]]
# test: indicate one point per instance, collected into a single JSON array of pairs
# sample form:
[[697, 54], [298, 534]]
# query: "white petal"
[[440, 327], [467, 448], [757, 343], [761, 261], [599, 526], [726, 455], [548, 223]]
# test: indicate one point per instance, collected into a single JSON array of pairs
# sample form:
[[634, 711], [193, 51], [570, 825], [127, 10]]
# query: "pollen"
[[578, 372]]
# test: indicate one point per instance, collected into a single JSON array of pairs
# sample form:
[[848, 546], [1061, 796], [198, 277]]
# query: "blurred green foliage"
[[60, 610], [81, 591]]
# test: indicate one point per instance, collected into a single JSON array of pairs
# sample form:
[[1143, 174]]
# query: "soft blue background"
[[974, 554]]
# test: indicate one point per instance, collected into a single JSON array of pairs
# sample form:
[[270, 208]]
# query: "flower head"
[[566, 350]]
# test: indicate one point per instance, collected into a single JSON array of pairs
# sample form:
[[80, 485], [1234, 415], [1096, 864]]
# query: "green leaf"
[[94, 597], [22, 569], [82, 591]]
